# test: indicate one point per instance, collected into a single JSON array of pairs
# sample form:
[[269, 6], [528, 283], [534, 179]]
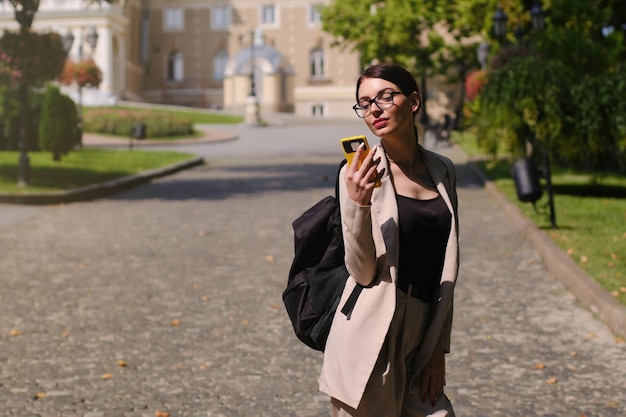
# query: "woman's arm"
[[360, 251], [355, 192]]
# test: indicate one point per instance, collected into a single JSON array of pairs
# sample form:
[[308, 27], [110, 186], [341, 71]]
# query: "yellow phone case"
[[350, 145]]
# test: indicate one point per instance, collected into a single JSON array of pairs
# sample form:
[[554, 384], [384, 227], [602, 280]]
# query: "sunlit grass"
[[195, 116], [80, 168], [590, 212]]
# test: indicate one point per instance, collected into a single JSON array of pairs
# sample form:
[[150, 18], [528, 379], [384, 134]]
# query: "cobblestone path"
[[166, 298]]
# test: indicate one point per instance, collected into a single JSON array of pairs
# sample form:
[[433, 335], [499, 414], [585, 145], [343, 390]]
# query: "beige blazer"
[[355, 342]]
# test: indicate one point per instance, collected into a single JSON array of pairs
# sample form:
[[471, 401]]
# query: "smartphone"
[[350, 145]]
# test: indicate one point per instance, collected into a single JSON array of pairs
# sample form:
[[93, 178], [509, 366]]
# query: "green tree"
[[25, 11], [539, 111], [586, 34], [395, 30], [541, 92], [58, 132], [428, 37]]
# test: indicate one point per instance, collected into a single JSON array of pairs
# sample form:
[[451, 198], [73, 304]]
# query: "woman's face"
[[397, 110]]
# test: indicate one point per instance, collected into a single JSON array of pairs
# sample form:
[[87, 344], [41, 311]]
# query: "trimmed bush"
[[121, 122], [10, 109], [58, 131]]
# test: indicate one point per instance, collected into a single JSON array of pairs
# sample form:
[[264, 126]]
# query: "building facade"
[[207, 53]]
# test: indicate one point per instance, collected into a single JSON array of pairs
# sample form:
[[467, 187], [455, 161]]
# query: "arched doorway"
[[260, 69]]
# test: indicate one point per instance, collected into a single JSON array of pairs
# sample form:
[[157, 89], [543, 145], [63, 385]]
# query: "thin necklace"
[[422, 176]]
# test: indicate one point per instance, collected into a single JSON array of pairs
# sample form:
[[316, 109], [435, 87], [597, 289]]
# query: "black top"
[[424, 231]]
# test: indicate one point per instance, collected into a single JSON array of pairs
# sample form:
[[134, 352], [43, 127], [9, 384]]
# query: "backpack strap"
[[347, 308], [337, 179]]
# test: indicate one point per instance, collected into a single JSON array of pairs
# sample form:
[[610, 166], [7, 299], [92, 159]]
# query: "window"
[[268, 14], [173, 19], [317, 63], [317, 110], [175, 66], [219, 64], [220, 17], [314, 13]]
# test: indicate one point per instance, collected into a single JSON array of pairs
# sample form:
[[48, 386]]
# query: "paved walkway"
[[166, 298]]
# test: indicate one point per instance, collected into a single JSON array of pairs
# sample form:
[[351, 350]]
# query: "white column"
[[104, 59], [122, 61]]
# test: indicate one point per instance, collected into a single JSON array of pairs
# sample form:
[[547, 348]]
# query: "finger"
[[380, 174], [369, 169], [436, 388], [371, 174], [368, 156], [358, 156], [424, 389], [434, 393], [353, 164]]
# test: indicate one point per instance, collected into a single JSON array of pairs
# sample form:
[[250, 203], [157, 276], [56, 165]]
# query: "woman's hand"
[[434, 376], [361, 181]]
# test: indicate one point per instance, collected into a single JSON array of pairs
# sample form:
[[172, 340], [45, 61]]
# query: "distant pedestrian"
[[387, 358]]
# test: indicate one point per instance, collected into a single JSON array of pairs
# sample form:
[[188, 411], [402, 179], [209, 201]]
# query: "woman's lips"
[[380, 123]]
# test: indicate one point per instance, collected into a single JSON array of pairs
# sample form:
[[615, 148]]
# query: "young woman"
[[386, 358]]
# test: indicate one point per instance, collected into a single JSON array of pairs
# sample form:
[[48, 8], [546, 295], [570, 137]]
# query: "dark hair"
[[393, 73], [398, 75]]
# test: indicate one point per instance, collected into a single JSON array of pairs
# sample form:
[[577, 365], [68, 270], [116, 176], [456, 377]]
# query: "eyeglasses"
[[384, 101]]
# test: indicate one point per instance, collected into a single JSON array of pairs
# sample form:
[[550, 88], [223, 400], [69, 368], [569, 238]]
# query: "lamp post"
[[537, 19], [92, 39], [252, 46], [252, 116], [499, 23], [23, 160], [536, 15]]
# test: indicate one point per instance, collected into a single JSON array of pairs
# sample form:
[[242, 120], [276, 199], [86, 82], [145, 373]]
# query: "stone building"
[[207, 53]]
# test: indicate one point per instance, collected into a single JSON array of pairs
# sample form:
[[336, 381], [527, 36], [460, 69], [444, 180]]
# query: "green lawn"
[[590, 216], [80, 168], [196, 117]]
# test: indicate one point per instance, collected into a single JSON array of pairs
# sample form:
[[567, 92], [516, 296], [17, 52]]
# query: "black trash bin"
[[140, 131], [526, 177]]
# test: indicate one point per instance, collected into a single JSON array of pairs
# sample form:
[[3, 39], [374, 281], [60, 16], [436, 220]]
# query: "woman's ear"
[[415, 102]]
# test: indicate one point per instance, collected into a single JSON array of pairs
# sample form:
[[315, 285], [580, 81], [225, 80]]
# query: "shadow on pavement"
[[214, 183]]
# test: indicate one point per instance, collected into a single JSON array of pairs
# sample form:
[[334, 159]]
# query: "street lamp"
[[499, 23], [92, 39], [23, 159], [500, 18], [68, 40], [522, 171], [536, 15], [252, 45], [252, 116]]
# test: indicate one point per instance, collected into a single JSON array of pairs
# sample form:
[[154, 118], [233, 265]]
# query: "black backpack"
[[318, 273]]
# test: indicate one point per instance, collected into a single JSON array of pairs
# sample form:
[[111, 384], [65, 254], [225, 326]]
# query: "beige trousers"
[[386, 393]]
